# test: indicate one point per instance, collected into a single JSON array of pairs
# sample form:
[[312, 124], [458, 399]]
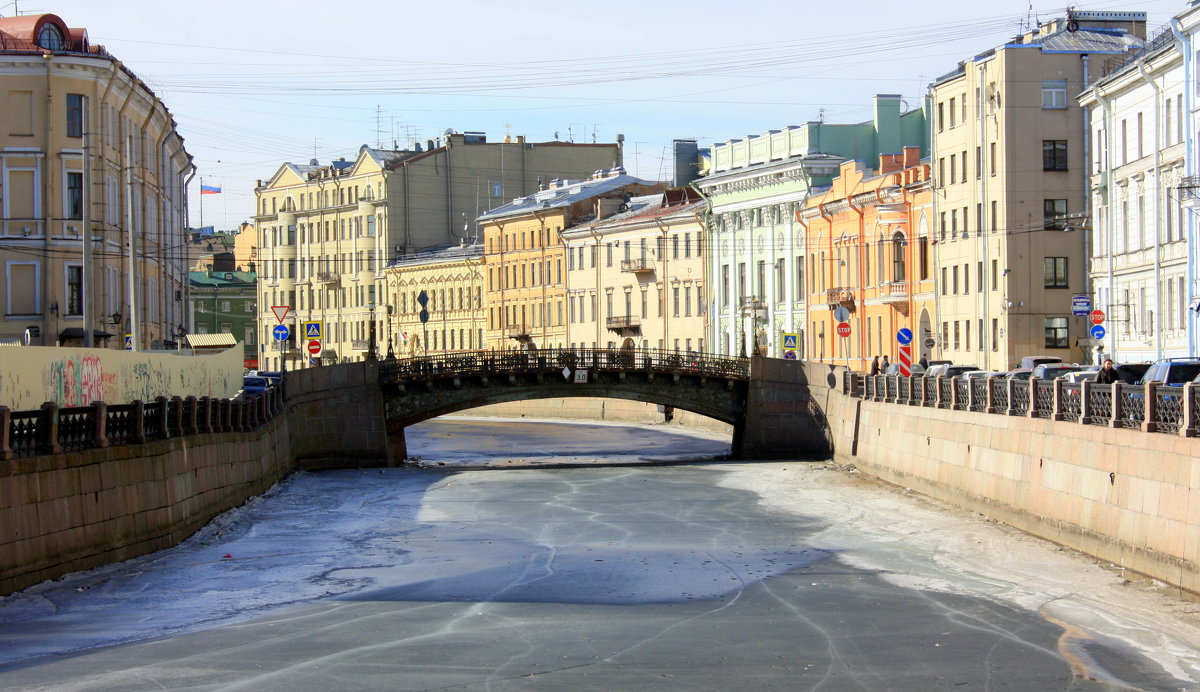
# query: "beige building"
[[90, 165], [636, 278], [1008, 155], [526, 280], [326, 232], [452, 280]]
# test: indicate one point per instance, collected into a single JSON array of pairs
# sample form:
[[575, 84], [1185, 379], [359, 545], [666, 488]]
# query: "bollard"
[[1114, 417], [1150, 409], [1033, 390], [1085, 402], [1056, 412], [1011, 410]]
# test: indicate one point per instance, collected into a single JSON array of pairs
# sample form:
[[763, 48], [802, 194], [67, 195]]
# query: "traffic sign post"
[[841, 314], [281, 332], [314, 347], [904, 336], [843, 329], [905, 360], [1097, 332], [280, 311], [312, 330], [1081, 305], [1097, 316]]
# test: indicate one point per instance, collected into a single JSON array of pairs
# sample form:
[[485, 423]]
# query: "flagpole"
[[201, 226]]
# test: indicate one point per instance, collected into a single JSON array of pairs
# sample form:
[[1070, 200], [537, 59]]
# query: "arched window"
[[898, 245], [50, 37]]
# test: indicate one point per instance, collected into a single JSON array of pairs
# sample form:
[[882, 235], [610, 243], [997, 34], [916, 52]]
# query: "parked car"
[[1053, 371], [1031, 362], [1174, 372], [1020, 374], [1081, 375], [894, 369], [252, 386], [274, 378], [949, 370], [1131, 373], [981, 374]]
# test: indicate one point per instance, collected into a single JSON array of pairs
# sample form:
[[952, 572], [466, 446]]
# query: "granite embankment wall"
[[1125, 496], [61, 513]]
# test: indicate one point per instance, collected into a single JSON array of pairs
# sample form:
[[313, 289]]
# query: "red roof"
[[19, 34]]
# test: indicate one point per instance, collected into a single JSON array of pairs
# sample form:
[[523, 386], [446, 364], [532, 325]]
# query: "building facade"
[[526, 290], [1009, 146], [637, 278], [93, 202], [452, 280], [1138, 246], [758, 253], [326, 232], [878, 268], [225, 302]]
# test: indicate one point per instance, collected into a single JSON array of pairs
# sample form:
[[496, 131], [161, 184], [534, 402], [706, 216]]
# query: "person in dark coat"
[[883, 367], [924, 362], [875, 366], [1108, 374]]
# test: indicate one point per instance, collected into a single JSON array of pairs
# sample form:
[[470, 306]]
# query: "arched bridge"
[[728, 389]]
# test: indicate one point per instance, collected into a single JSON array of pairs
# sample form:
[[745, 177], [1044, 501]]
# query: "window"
[[1055, 272], [1054, 214], [1054, 94], [898, 269], [74, 289], [74, 195], [74, 115], [1056, 332], [1054, 155]]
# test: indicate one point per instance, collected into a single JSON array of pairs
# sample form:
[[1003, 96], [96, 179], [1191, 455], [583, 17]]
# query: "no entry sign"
[[314, 346]]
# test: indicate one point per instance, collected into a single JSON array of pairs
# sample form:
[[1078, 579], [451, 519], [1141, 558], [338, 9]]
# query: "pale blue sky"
[[255, 83]]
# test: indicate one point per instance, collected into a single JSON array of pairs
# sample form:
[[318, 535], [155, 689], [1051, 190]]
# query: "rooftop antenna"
[[378, 127], [314, 148], [593, 133], [821, 115], [507, 133]]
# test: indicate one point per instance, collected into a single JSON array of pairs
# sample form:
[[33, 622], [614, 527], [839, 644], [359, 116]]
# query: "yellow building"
[[636, 278], [869, 243], [326, 232], [526, 281], [452, 280], [90, 164]]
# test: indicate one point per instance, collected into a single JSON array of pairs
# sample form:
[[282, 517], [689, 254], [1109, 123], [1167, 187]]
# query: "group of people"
[[878, 367]]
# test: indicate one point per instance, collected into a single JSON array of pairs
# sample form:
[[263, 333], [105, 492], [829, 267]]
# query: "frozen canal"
[[692, 576]]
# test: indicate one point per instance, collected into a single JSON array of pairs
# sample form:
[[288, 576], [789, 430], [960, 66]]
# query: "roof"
[[564, 193], [200, 342], [218, 278], [439, 253], [19, 34], [648, 208]]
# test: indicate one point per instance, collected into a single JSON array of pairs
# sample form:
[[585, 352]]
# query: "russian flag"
[[210, 190]]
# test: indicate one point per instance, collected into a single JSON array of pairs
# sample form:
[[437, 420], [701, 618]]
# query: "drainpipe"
[[1106, 105], [1087, 197], [937, 228], [861, 249], [713, 329], [984, 297], [1157, 204], [662, 294], [1189, 67], [799, 217]]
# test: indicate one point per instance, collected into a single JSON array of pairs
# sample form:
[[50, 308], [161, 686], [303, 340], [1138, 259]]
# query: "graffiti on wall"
[[75, 381]]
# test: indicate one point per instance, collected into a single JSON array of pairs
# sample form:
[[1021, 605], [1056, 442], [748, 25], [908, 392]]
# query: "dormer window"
[[50, 37]]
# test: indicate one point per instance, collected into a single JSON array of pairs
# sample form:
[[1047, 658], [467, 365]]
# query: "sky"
[[257, 83]]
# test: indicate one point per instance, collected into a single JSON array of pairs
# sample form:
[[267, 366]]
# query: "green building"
[[756, 246], [225, 302]]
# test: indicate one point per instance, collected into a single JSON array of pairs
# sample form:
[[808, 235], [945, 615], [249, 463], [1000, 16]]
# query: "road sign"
[[281, 332], [280, 311], [314, 346], [789, 355], [1097, 331], [423, 298], [904, 336], [581, 376], [843, 329], [791, 342], [929, 342], [424, 315], [1097, 316], [905, 360], [841, 314], [128, 342], [312, 330], [1081, 305]]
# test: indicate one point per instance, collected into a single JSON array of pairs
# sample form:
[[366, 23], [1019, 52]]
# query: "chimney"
[[887, 123]]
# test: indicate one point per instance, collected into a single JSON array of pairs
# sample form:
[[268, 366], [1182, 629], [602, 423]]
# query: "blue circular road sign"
[[1097, 331], [904, 336], [281, 332]]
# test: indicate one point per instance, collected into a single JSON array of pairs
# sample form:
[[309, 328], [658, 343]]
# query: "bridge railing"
[[1152, 407], [53, 429], [558, 359]]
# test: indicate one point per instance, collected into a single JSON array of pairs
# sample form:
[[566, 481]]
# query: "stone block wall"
[[336, 414], [69, 512]]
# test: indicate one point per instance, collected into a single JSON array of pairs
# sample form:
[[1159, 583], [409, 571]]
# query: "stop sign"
[[1097, 317], [843, 329], [314, 346]]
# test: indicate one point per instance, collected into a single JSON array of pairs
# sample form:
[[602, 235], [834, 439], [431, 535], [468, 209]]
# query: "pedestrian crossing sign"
[[312, 330], [790, 342]]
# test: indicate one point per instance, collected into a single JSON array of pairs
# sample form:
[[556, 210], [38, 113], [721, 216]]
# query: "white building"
[[1140, 242]]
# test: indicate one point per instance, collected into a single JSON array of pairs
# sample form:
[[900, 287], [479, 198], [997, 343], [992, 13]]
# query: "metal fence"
[[54, 430], [555, 359], [1152, 407]]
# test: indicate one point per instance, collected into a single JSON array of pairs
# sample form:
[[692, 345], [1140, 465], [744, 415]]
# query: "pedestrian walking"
[[924, 362], [875, 366], [883, 367], [1108, 374]]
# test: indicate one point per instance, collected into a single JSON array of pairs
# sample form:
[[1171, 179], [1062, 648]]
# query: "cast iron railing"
[[556, 359]]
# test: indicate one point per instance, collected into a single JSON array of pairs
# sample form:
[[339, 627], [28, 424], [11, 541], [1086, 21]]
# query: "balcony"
[[518, 332], [360, 344], [840, 295], [621, 323], [328, 277], [1189, 191], [641, 264], [893, 292], [749, 303]]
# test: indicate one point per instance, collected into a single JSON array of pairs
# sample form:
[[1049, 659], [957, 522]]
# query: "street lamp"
[[371, 342]]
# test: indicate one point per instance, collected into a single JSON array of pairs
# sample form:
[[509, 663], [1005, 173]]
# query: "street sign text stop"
[[1097, 317], [843, 329]]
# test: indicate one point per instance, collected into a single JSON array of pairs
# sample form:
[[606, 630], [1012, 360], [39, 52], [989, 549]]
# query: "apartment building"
[[876, 226], [636, 279], [326, 231], [224, 301], [451, 279], [1009, 151], [93, 201], [757, 249], [1138, 257], [526, 291]]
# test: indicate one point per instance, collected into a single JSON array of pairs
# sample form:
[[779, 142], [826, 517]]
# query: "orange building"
[[868, 243]]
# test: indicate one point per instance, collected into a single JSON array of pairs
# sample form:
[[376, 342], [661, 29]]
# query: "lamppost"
[[391, 353], [371, 332]]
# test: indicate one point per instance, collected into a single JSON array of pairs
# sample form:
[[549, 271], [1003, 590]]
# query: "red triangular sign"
[[280, 311]]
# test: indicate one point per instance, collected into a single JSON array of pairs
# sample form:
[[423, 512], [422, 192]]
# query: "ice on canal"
[[785, 549]]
